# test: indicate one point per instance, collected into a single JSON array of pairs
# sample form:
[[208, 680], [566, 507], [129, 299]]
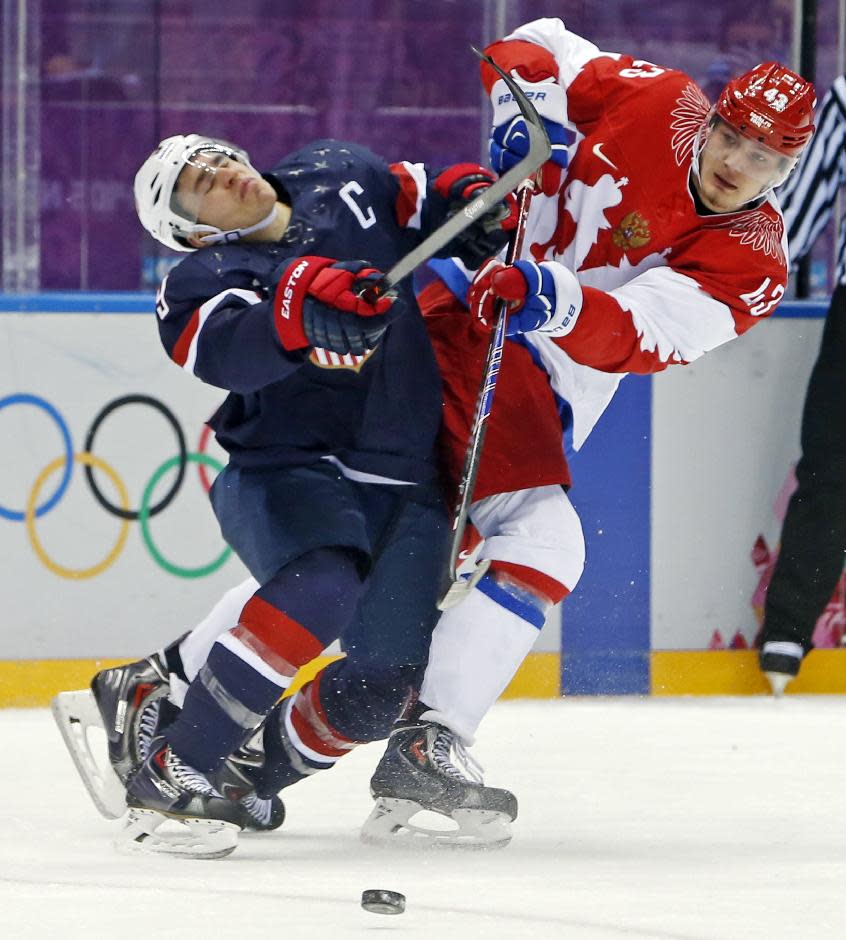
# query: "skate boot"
[[129, 700], [126, 702], [426, 767], [235, 782], [780, 661], [204, 823]]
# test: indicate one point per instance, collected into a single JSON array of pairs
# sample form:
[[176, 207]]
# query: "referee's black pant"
[[813, 537]]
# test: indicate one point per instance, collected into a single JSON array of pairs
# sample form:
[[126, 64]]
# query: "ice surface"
[[665, 819]]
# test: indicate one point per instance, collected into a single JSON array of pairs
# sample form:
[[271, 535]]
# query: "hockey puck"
[[378, 901]]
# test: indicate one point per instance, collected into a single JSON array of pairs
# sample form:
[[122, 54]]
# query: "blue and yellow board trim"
[[31, 683]]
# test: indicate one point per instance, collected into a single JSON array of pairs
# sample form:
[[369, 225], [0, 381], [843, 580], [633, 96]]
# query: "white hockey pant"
[[478, 645]]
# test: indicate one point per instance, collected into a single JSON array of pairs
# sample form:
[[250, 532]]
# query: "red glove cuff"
[[533, 63], [291, 291]]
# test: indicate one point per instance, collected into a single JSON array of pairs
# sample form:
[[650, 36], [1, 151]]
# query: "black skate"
[[129, 699], [204, 823], [134, 710], [780, 661], [422, 770], [235, 782], [125, 702]]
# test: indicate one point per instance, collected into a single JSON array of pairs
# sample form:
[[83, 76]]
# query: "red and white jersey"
[[663, 283]]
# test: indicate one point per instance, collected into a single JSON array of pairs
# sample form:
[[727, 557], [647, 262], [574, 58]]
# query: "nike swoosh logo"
[[597, 152]]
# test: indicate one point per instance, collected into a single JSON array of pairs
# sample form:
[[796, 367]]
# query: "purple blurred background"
[[397, 75]]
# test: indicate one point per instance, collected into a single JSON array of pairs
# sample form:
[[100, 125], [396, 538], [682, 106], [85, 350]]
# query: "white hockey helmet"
[[156, 181]]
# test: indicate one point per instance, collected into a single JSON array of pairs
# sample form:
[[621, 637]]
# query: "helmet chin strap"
[[215, 236]]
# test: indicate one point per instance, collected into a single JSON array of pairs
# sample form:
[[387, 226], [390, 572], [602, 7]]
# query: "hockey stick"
[[453, 588], [539, 152]]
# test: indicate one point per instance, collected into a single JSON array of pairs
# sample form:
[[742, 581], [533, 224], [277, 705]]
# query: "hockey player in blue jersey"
[[331, 495]]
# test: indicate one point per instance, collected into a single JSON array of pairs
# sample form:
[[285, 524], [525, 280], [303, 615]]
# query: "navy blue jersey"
[[377, 413]]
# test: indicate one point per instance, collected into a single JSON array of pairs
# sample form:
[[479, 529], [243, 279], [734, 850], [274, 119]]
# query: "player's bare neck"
[[701, 208], [275, 229], [279, 226]]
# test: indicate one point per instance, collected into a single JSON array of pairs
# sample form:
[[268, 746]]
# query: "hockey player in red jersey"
[[655, 238]]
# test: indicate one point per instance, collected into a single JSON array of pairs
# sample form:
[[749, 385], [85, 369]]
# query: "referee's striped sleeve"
[[808, 195]]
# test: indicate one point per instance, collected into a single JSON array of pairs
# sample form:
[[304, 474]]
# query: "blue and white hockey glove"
[[458, 185], [509, 141], [318, 302], [542, 297]]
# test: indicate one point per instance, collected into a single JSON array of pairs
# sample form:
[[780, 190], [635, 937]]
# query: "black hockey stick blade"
[[539, 152]]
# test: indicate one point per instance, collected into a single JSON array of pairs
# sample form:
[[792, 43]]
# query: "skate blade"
[[778, 682], [391, 823], [188, 837], [75, 714]]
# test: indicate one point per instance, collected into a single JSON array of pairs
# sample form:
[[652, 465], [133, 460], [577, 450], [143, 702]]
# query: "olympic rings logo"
[[146, 510]]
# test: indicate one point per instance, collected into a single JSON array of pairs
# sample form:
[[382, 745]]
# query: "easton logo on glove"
[[288, 290], [319, 302], [458, 186]]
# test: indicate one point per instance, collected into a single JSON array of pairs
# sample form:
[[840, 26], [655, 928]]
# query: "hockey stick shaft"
[[538, 153], [453, 588]]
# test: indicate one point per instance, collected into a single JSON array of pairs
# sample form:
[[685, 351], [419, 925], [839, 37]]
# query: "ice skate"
[[780, 662], [427, 768], [201, 822], [77, 717], [124, 702], [260, 814], [129, 699], [132, 703]]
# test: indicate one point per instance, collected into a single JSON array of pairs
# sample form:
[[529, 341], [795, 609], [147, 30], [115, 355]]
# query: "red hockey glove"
[[318, 302], [459, 185]]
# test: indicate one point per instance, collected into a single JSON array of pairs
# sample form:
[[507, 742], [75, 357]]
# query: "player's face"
[[215, 189], [734, 170]]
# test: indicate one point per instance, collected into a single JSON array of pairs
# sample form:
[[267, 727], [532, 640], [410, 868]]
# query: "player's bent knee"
[[362, 700], [519, 590], [538, 530]]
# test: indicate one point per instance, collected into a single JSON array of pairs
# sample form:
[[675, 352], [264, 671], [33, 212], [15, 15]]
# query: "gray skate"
[[426, 768]]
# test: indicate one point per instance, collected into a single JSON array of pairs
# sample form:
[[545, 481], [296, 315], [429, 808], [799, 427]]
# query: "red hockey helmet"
[[772, 106]]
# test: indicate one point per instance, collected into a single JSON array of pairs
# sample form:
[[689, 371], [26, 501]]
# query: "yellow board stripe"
[[735, 672], [538, 677], [30, 683], [706, 672]]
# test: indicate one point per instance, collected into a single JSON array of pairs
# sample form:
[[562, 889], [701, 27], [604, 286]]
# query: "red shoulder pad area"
[[408, 196]]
